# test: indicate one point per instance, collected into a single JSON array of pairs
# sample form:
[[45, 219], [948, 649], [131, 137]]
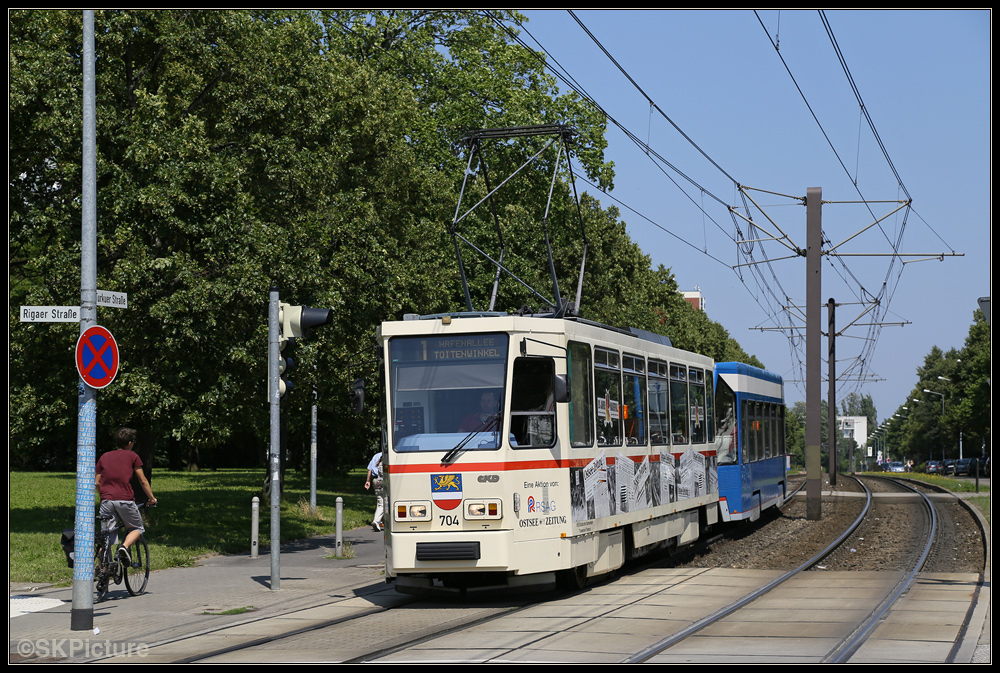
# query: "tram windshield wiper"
[[492, 421]]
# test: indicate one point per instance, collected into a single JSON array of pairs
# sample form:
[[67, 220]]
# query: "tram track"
[[906, 555], [544, 626], [367, 627], [665, 644], [406, 647], [387, 623], [848, 646], [957, 546], [908, 559]]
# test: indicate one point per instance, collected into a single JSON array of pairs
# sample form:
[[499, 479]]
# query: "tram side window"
[[634, 395], [758, 434], [745, 431], [699, 420], [765, 432], [532, 404], [765, 412], [607, 377], [659, 419], [581, 406], [679, 412], [781, 430], [725, 405], [772, 427]]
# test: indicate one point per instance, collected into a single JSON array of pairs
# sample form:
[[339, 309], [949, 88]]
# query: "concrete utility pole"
[[831, 420], [814, 330]]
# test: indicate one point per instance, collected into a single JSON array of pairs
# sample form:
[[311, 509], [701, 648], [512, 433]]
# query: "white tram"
[[524, 449]]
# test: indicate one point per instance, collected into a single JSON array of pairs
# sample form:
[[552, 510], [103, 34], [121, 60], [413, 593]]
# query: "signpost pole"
[[274, 402], [82, 611]]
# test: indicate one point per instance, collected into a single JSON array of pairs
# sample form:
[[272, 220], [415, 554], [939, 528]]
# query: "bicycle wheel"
[[137, 574], [101, 570]]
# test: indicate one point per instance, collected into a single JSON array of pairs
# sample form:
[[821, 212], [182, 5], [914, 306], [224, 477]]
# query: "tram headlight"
[[482, 509], [412, 511]]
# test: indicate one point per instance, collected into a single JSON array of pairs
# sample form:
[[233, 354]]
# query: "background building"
[[695, 299]]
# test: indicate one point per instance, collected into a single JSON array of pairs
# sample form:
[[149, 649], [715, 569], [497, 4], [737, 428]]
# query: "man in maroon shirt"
[[115, 470]]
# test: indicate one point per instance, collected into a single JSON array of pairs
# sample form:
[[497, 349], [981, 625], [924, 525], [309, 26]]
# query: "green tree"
[[236, 151], [795, 434], [797, 425], [926, 434], [316, 151], [856, 404], [970, 390], [950, 403]]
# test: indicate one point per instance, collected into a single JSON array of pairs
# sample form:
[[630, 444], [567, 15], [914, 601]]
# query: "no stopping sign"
[[97, 357]]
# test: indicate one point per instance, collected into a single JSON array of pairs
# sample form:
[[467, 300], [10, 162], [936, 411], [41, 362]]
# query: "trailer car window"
[[726, 441]]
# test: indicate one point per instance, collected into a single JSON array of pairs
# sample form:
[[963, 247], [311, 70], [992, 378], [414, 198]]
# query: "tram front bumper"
[[449, 552]]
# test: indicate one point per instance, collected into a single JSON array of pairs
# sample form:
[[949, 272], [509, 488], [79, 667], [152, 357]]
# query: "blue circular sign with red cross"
[[97, 357]]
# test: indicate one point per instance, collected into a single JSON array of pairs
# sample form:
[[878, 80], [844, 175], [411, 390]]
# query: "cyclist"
[[115, 470]]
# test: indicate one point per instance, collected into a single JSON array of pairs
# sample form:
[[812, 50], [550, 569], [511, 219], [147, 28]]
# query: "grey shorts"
[[124, 510]]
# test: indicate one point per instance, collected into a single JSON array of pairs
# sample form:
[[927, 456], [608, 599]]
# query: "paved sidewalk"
[[181, 602]]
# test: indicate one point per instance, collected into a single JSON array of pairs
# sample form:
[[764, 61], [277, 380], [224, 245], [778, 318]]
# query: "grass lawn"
[[198, 514]]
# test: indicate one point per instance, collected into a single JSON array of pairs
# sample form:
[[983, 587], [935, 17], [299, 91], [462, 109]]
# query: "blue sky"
[[924, 80]]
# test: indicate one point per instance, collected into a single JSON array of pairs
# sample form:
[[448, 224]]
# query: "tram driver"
[[486, 418]]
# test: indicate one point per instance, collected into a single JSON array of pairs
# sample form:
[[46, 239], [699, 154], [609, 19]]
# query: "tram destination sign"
[[452, 348]]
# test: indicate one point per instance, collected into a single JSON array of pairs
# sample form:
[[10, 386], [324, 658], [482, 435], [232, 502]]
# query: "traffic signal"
[[294, 322], [357, 395], [285, 365]]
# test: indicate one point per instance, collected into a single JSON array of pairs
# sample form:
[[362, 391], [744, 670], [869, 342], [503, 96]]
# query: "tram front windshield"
[[447, 391]]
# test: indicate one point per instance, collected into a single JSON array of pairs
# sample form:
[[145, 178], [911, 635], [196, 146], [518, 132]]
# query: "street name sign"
[[50, 314], [71, 313], [112, 299]]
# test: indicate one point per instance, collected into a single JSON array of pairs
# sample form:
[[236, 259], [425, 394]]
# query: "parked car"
[[934, 467], [964, 467], [949, 466], [897, 467]]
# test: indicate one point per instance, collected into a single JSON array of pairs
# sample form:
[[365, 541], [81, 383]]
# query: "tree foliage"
[[318, 152], [948, 410]]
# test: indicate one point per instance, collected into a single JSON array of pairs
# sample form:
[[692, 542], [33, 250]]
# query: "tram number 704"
[[449, 520]]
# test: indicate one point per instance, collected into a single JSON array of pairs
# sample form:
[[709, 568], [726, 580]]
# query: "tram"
[[520, 449], [752, 460]]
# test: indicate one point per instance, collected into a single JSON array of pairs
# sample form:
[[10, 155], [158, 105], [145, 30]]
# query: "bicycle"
[[109, 567]]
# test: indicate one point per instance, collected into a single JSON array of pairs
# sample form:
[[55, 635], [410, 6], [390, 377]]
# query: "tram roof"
[[516, 323], [746, 370]]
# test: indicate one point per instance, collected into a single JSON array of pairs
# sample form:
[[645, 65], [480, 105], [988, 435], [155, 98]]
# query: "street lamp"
[[945, 378], [941, 395]]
